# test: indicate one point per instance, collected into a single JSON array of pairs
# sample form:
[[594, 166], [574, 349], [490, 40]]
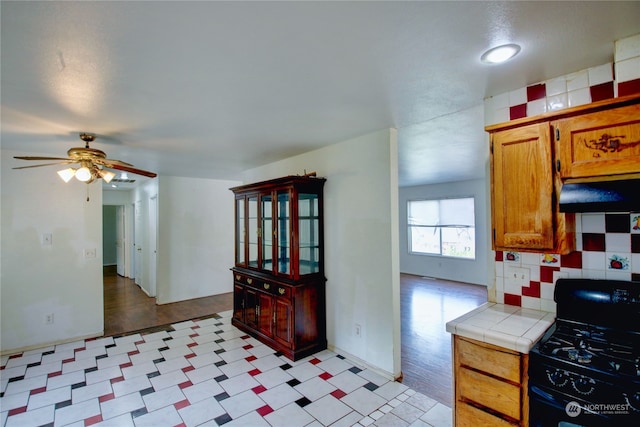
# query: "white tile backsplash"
[[579, 97], [628, 69], [600, 74], [627, 48], [577, 80]]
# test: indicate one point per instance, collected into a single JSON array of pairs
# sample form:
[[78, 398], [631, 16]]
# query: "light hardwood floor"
[[426, 306]]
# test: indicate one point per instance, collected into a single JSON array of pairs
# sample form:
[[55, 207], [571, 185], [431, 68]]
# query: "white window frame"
[[410, 227]]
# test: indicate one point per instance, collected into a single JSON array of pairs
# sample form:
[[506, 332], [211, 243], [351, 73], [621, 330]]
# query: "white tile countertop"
[[507, 326]]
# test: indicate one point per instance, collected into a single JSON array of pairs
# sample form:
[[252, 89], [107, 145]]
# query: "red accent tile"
[[629, 88], [572, 260], [546, 273], [511, 299], [133, 353], [93, 420], [69, 360], [259, 389], [79, 349], [106, 397], [533, 290], [315, 361], [517, 111], [338, 394], [601, 92], [536, 92], [265, 410], [185, 384], [244, 337], [37, 390], [180, 425], [116, 380], [15, 356], [247, 347], [195, 327], [499, 255], [16, 411], [635, 243], [254, 372], [593, 242], [194, 335], [192, 344], [126, 365], [325, 375], [54, 374], [190, 355], [138, 342], [617, 223], [2, 367], [187, 369], [250, 358], [182, 404]]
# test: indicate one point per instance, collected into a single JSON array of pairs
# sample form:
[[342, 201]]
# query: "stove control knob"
[[557, 378], [633, 401], [584, 385]]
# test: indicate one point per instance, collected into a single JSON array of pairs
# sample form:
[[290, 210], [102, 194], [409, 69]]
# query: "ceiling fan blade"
[[47, 164], [109, 162], [40, 158], [133, 170]]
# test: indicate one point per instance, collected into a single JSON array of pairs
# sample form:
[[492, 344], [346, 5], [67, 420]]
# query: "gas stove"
[[585, 370]]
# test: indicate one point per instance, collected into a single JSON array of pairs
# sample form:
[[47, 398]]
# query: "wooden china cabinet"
[[278, 277]]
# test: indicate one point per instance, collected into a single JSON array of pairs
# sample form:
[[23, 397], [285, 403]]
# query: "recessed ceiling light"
[[500, 54]]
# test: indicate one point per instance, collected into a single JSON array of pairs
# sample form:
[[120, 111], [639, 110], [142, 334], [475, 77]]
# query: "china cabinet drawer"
[[275, 289]]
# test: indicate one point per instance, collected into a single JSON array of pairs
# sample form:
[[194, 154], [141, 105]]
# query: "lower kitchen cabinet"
[[287, 317], [490, 385]]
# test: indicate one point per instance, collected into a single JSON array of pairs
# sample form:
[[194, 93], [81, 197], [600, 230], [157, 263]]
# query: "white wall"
[[361, 243], [195, 246], [462, 270], [35, 279]]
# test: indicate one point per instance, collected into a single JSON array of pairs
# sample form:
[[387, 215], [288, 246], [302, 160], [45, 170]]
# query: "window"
[[442, 227]]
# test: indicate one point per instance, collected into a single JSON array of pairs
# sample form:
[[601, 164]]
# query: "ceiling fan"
[[92, 163]]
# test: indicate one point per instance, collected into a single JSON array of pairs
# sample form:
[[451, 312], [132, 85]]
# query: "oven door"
[[558, 410]]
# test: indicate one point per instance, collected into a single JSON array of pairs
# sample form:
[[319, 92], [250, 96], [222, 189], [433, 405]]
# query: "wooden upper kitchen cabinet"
[[599, 144], [278, 276], [490, 385], [524, 188], [532, 157]]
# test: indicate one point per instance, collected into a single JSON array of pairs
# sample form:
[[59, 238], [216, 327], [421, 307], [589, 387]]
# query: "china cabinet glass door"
[[241, 232], [308, 233], [284, 233], [267, 232], [253, 231]]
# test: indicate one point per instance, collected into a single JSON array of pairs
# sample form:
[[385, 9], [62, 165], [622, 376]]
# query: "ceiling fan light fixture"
[[107, 176], [83, 174], [500, 54], [67, 174]]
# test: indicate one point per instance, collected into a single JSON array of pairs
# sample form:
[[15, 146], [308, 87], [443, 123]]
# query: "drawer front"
[[470, 416], [495, 362], [490, 392], [274, 288]]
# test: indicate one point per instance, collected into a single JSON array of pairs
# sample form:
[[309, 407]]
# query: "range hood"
[[602, 196]]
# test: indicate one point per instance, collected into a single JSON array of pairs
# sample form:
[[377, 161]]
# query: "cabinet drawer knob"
[[238, 277], [266, 286], [281, 291], [249, 280]]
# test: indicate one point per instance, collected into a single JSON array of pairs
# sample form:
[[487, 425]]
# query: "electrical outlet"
[[358, 330], [48, 319], [516, 278], [90, 253]]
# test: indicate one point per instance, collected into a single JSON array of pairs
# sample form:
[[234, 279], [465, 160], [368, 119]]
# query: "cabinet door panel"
[[238, 302], [283, 325], [603, 143], [265, 313], [251, 307], [522, 180]]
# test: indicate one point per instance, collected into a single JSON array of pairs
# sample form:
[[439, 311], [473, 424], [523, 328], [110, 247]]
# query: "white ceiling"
[[209, 89]]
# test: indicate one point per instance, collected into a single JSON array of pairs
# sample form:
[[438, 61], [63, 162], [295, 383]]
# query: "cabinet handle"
[[281, 291], [266, 286], [558, 165], [257, 311], [238, 277], [274, 317], [557, 133], [249, 280]]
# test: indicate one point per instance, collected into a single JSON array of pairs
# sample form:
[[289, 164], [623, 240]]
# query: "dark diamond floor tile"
[[147, 391], [221, 396], [355, 370], [153, 374], [14, 379], [220, 363], [220, 351], [285, 366], [294, 382], [102, 356], [370, 386], [339, 356], [222, 419], [138, 412], [219, 341], [63, 404], [78, 385], [31, 365], [221, 378], [302, 402], [159, 360], [95, 368], [163, 349]]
